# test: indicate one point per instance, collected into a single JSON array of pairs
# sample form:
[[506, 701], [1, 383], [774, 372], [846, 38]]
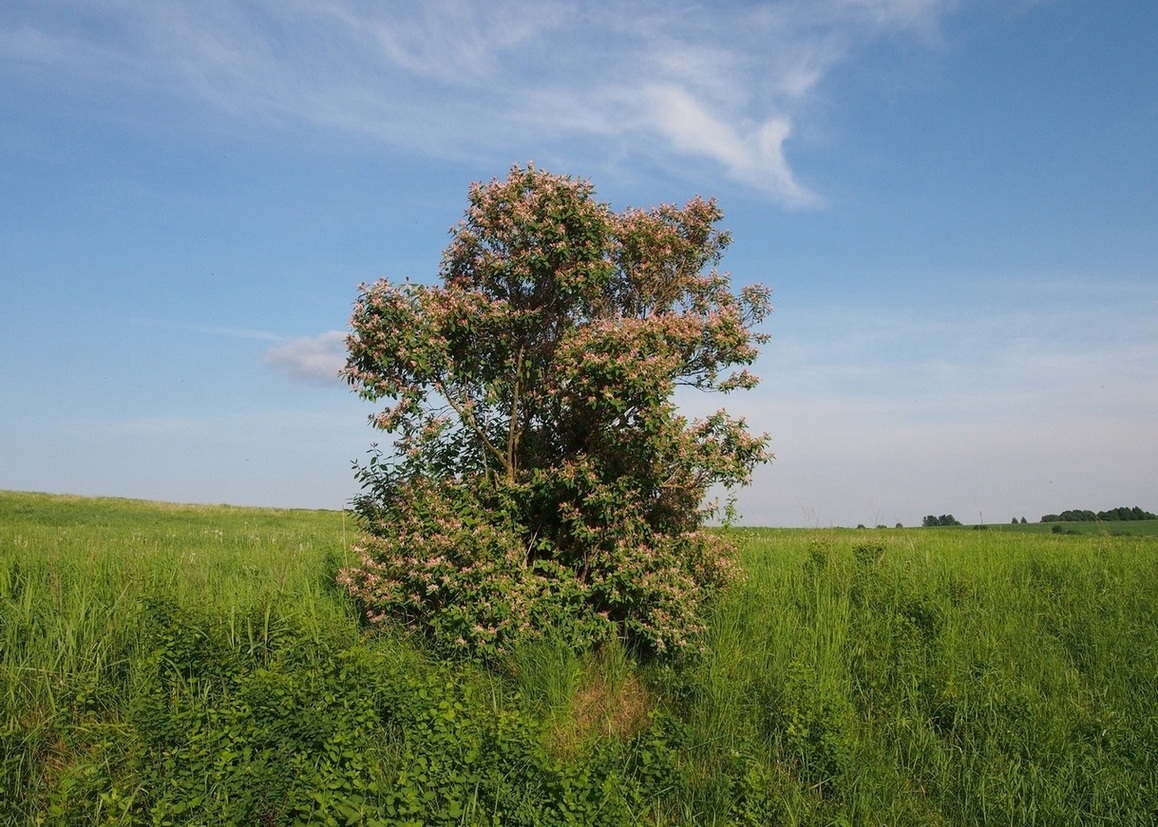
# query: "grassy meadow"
[[1115, 528], [164, 664]]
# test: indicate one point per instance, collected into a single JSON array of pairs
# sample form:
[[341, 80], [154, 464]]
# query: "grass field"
[[1114, 528], [168, 664]]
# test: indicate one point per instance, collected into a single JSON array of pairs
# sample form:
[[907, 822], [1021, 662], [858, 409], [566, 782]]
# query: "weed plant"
[[198, 665]]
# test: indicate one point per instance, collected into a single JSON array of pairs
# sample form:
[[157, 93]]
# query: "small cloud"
[[757, 158], [314, 359]]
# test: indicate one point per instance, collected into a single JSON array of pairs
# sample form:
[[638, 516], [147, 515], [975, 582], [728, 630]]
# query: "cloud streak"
[[675, 84]]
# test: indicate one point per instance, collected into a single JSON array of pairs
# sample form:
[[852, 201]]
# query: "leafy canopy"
[[541, 472]]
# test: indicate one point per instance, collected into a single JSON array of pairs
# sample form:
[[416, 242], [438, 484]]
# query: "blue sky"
[[954, 203]]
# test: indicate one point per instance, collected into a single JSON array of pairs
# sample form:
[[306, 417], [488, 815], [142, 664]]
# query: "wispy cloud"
[[877, 417], [1047, 363], [314, 359], [723, 84], [210, 330]]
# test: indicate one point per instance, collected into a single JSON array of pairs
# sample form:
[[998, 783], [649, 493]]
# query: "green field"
[[1114, 528], [166, 664]]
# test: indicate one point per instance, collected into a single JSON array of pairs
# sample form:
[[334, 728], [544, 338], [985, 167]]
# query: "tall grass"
[[82, 582], [180, 664], [934, 677], [75, 574]]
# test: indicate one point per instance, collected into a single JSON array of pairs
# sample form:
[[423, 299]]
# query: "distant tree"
[[542, 477], [1013, 521], [944, 520], [1023, 520]]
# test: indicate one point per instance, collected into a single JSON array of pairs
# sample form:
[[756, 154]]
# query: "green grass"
[[166, 664], [1097, 528], [1134, 528], [943, 676]]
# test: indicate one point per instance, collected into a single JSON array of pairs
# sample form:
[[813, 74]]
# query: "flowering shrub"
[[446, 562], [542, 477]]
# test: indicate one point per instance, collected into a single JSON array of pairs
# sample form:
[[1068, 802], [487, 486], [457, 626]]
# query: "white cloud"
[[724, 83], [310, 359], [756, 157]]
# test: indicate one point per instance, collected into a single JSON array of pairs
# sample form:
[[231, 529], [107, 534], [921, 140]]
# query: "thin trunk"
[[514, 431]]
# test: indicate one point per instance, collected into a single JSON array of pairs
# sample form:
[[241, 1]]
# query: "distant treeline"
[[1113, 515]]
